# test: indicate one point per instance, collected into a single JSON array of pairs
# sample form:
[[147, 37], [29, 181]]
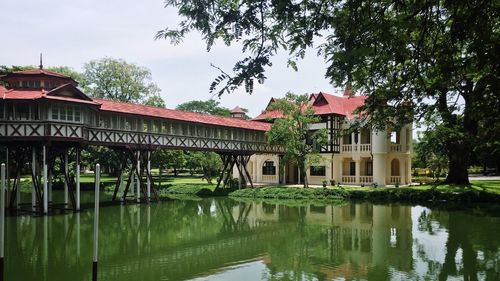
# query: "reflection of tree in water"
[[472, 233]]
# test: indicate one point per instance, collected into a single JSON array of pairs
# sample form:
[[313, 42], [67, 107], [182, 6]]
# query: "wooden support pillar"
[[148, 177], [138, 170], [33, 179], [65, 179], [77, 178], [45, 187]]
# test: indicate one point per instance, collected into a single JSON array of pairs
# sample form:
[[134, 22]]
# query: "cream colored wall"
[[380, 151]]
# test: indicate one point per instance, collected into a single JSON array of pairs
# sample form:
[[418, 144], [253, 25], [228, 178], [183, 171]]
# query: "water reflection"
[[224, 239]]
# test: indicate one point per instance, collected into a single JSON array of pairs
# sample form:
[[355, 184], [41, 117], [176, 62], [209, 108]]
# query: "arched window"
[[268, 168], [395, 168]]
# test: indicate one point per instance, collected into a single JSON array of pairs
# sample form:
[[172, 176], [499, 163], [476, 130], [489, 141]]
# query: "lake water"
[[224, 239]]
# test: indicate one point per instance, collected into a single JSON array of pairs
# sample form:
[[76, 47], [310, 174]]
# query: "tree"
[[412, 58], [429, 152], [210, 106], [119, 80], [292, 132], [175, 160]]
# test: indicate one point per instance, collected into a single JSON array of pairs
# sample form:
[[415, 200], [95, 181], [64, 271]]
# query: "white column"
[[45, 188], [77, 179], [33, 170], [402, 139], [402, 170], [137, 192], [379, 151], [353, 143], [358, 170], [149, 172], [66, 173]]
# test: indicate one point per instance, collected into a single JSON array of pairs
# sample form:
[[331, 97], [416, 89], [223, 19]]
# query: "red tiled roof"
[[337, 105], [323, 104], [34, 94], [40, 72], [237, 109], [144, 110]]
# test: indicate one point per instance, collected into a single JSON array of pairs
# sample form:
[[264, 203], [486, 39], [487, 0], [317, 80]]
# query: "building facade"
[[361, 158]]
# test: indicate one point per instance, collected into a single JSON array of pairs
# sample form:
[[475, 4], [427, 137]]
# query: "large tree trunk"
[[457, 166], [303, 174]]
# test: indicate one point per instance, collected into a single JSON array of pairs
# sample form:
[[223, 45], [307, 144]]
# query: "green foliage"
[[292, 132], [210, 106], [412, 58], [291, 193], [209, 163], [119, 80], [431, 151]]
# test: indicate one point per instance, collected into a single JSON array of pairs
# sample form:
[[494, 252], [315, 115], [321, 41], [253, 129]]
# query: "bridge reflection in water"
[[182, 240]]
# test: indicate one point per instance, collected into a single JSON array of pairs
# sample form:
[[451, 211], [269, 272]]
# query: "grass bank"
[[481, 191]]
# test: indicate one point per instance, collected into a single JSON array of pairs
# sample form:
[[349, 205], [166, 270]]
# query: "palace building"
[[364, 157]]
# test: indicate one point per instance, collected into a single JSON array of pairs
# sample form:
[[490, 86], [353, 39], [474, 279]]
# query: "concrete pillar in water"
[[2, 218], [96, 222]]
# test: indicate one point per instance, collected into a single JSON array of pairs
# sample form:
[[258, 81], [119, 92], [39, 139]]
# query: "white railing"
[[348, 179], [395, 148], [395, 179], [365, 147], [365, 179], [346, 147], [268, 178]]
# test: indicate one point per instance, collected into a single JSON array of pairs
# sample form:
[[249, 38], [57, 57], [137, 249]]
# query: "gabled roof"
[[151, 111], [323, 104], [40, 94], [330, 104], [69, 88]]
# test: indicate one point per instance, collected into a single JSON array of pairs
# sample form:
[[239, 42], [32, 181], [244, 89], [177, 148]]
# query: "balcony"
[[395, 180], [365, 147], [395, 147], [348, 179], [347, 148], [366, 179]]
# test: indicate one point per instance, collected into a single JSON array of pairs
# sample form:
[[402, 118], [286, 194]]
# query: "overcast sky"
[[71, 33]]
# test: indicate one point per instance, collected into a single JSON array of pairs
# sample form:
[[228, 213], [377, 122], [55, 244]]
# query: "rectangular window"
[[269, 168], [55, 112], [369, 168], [352, 168], [62, 113], [78, 114], [318, 171], [69, 113]]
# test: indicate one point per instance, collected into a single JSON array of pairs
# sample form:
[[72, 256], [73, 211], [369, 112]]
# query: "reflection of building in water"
[[354, 237]]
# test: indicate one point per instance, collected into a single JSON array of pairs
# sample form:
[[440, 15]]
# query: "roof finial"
[[41, 63]]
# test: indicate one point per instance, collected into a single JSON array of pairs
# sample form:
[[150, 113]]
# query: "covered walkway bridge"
[[45, 116]]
